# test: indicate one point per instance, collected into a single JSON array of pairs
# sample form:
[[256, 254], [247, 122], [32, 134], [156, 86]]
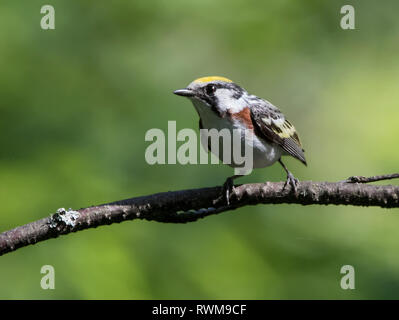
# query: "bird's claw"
[[292, 181], [228, 189]]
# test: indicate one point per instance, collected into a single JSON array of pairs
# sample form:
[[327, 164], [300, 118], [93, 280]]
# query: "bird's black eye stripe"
[[210, 89], [236, 90], [208, 92]]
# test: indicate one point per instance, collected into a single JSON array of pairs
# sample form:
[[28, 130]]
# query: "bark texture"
[[190, 205]]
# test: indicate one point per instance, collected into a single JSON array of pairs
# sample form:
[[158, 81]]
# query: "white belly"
[[264, 154]]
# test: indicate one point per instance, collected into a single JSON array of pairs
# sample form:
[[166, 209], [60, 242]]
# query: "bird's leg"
[[290, 177], [228, 187]]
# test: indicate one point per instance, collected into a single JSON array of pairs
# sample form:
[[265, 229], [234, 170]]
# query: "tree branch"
[[190, 205], [361, 179]]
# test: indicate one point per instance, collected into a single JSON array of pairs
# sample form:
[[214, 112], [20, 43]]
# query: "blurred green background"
[[75, 103]]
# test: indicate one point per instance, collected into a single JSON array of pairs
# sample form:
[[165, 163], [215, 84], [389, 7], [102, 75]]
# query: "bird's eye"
[[210, 89]]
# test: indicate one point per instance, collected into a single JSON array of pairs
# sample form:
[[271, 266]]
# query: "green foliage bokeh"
[[75, 103]]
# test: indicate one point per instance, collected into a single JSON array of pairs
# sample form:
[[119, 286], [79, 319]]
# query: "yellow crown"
[[213, 78]]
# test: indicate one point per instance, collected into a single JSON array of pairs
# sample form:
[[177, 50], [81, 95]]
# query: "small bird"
[[222, 104]]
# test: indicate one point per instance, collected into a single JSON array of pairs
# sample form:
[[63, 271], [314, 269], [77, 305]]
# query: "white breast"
[[264, 154]]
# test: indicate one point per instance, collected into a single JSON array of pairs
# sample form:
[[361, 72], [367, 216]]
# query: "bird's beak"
[[184, 92]]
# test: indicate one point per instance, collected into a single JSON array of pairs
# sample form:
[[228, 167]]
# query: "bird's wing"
[[271, 124]]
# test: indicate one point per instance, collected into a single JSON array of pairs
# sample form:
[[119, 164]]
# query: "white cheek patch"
[[227, 103]]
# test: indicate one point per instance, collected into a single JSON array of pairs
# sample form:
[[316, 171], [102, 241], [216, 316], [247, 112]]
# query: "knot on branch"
[[63, 219]]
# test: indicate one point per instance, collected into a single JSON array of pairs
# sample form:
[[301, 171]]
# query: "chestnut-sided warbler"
[[222, 104]]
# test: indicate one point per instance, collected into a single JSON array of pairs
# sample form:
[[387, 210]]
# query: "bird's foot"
[[228, 189], [292, 181]]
